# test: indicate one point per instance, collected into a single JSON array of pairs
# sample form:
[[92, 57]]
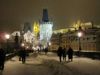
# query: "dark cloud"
[[63, 13]]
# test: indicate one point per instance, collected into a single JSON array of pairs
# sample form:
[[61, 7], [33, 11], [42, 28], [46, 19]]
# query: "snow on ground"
[[41, 64]]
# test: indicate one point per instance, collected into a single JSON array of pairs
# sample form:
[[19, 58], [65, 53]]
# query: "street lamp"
[[60, 38], [79, 34], [7, 36], [22, 44]]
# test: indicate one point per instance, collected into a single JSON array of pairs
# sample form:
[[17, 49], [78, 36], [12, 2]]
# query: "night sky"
[[63, 13]]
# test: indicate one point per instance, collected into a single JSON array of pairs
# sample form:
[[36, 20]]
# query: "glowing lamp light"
[[49, 43], [22, 44], [79, 34], [7, 36], [27, 47]]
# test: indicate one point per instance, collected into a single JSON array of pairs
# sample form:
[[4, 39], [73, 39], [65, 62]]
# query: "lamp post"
[[22, 45], [79, 34], [7, 36], [60, 38]]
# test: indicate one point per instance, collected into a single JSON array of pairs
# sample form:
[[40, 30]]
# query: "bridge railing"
[[90, 54], [10, 55]]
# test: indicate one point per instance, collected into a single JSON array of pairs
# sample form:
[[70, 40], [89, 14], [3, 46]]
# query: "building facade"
[[89, 41]]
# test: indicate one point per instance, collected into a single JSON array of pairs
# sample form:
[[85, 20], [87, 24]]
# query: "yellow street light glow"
[[36, 28]]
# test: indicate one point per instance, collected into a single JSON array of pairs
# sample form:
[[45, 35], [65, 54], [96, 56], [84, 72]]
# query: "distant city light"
[[27, 47], [49, 43]]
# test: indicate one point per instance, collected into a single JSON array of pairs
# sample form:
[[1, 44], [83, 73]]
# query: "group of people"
[[62, 52]]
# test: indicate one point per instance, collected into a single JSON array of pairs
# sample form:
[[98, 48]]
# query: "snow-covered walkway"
[[41, 64]]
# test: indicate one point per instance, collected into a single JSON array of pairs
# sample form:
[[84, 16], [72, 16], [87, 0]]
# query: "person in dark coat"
[[64, 53], [70, 54], [60, 53], [46, 50], [23, 55], [2, 58], [19, 54]]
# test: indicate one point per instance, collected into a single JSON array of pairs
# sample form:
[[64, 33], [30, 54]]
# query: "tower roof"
[[45, 15]]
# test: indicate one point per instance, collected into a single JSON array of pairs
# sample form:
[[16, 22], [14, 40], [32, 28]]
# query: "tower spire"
[[45, 15]]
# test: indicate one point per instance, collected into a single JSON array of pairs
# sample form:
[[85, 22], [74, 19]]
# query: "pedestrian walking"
[[64, 54], [46, 50], [19, 54], [2, 59], [60, 53], [23, 55], [70, 54]]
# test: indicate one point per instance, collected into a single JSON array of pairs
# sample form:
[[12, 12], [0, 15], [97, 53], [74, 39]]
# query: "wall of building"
[[90, 41]]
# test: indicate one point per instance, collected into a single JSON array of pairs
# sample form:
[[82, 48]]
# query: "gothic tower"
[[45, 28]]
